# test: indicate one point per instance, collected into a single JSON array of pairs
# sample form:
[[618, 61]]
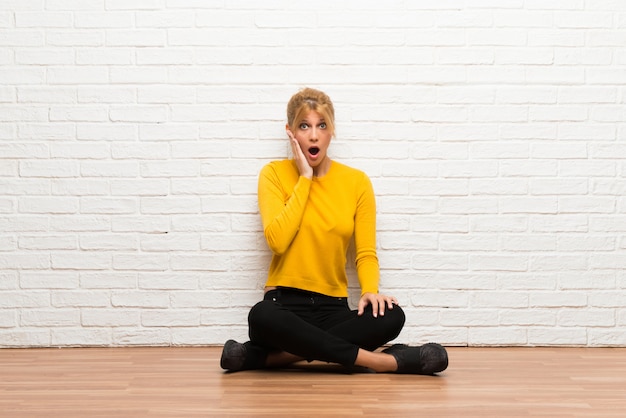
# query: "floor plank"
[[187, 381]]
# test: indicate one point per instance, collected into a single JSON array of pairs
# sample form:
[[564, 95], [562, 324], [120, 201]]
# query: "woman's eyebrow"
[[322, 120]]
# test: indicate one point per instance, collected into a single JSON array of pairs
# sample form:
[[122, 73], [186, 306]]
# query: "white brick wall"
[[132, 132]]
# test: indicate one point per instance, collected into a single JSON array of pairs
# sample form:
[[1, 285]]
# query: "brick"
[[108, 280], [74, 4], [468, 205], [171, 242], [56, 56], [24, 187], [558, 262], [140, 337], [48, 280], [80, 223], [74, 260], [47, 242], [139, 299], [191, 223], [106, 19], [612, 337], [166, 205], [521, 243], [25, 337], [162, 94], [217, 317], [496, 336], [110, 318], [168, 281], [579, 317], [144, 114], [557, 336], [50, 318], [134, 4], [165, 19], [28, 94], [145, 187], [594, 132], [108, 242], [140, 151], [26, 223], [82, 299], [502, 223], [77, 75], [170, 318], [8, 319], [8, 280], [469, 318], [136, 38], [563, 300], [560, 223], [143, 262], [585, 280], [177, 132], [80, 337], [436, 261], [23, 113], [197, 299], [22, 38], [80, 151], [25, 261], [109, 169], [498, 262], [108, 56], [106, 205], [8, 243], [464, 243], [199, 263], [138, 75], [143, 223], [81, 187]]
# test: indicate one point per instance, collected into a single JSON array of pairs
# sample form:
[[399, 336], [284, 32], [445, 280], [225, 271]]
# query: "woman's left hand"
[[378, 301]]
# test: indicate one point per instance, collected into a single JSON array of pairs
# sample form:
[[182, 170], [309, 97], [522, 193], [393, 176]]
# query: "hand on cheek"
[[303, 165]]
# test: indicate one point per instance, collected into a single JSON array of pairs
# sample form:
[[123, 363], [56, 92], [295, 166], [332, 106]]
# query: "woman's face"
[[313, 135]]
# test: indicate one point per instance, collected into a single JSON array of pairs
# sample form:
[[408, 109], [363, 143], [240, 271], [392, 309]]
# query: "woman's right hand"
[[303, 165]]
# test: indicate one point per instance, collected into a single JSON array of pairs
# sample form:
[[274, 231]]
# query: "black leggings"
[[319, 327]]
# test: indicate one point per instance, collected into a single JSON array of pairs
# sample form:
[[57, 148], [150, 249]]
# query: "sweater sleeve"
[[367, 267], [281, 213]]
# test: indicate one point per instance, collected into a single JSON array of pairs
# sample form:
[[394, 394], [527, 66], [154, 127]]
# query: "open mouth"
[[314, 150]]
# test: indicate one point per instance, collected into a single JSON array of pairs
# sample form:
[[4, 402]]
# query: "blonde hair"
[[309, 99]]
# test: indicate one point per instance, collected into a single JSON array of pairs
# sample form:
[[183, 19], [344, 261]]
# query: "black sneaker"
[[426, 359], [233, 356]]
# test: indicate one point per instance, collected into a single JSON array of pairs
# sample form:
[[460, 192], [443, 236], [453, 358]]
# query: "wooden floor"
[[181, 382]]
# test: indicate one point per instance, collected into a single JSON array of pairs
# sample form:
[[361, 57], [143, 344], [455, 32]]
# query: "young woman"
[[311, 207]]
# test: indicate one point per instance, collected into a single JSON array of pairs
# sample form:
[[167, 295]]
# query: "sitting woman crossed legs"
[[311, 207]]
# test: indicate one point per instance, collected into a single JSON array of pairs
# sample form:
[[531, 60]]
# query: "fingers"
[[381, 308], [303, 165], [361, 307], [295, 147], [380, 303]]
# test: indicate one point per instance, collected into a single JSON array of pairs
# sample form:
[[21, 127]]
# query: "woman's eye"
[[303, 126], [323, 125]]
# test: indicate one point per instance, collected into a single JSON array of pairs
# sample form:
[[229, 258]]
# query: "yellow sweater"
[[308, 225]]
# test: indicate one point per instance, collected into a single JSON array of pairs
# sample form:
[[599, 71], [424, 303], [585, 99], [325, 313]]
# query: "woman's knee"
[[396, 318], [262, 313], [390, 325]]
